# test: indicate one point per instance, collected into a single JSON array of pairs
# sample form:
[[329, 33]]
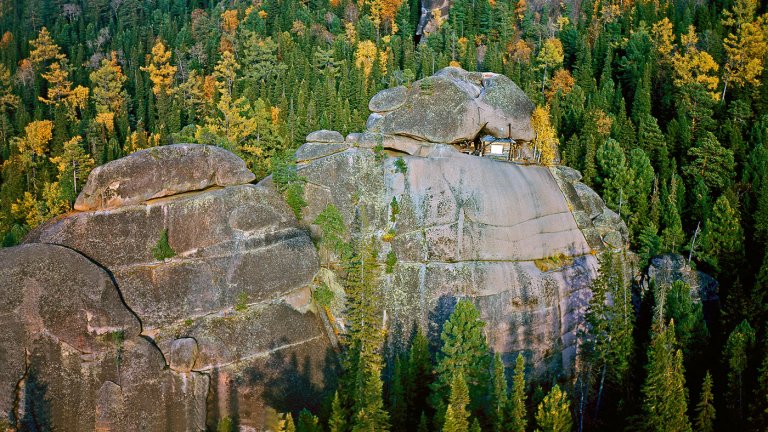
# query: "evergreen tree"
[[665, 398], [419, 377], [517, 417], [705, 410], [554, 412], [499, 397], [338, 420], [736, 353], [457, 414], [464, 351]]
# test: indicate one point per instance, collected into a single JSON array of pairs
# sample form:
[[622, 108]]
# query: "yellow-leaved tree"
[[550, 57], [161, 73], [694, 66], [546, 141], [745, 45]]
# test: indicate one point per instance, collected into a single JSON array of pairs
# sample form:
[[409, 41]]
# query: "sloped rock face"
[[453, 106], [232, 306], [159, 172], [72, 354], [471, 227]]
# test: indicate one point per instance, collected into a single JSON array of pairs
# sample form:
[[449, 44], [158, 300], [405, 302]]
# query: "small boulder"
[[388, 99], [325, 136], [182, 354], [158, 172]]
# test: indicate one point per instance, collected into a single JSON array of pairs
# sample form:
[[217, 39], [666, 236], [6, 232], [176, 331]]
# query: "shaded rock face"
[[159, 172], [231, 308], [665, 269], [477, 228], [72, 354], [452, 106]]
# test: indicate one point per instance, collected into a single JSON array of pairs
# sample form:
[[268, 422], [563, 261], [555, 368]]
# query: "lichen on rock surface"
[[452, 106], [158, 172]]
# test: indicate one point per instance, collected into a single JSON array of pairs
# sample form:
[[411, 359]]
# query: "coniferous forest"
[[662, 105]]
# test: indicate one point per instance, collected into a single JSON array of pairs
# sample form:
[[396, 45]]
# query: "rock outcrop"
[[72, 354], [502, 234], [159, 172], [453, 106], [182, 280], [232, 306]]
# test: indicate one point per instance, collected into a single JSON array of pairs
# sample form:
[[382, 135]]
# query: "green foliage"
[[705, 410], [554, 412], [241, 301], [308, 422], [390, 262], [457, 415], [499, 398], [162, 250], [464, 351], [323, 295], [289, 183], [665, 398], [394, 210], [331, 223], [400, 166], [736, 353], [517, 417]]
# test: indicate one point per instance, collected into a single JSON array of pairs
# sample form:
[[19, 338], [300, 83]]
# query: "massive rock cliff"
[[180, 279]]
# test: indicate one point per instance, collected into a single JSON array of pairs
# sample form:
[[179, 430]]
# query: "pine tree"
[[457, 414], [554, 412], [338, 420], [736, 352], [723, 236], [398, 409], [665, 398], [499, 397], [705, 410], [419, 376], [517, 417], [464, 351]]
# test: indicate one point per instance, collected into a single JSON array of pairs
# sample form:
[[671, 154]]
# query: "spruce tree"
[[464, 351], [554, 412], [737, 350], [665, 398], [499, 398], [517, 417], [457, 413], [705, 410], [398, 410], [338, 420], [419, 377]]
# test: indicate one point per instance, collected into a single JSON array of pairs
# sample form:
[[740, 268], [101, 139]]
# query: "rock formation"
[[453, 106], [232, 307], [180, 279]]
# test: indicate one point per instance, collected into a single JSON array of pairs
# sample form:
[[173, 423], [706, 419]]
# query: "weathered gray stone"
[[310, 151], [453, 106], [372, 120], [436, 110], [388, 99], [73, 351], [668, 268], [238, 250], [182, 354], [473, 227], [159, 172], [505, 109], [325, 136]]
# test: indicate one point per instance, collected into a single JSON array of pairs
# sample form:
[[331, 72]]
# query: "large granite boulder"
[[665, 269], [233, 301], [453, 106], [502, 234], [72, 355], [159, 172]]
